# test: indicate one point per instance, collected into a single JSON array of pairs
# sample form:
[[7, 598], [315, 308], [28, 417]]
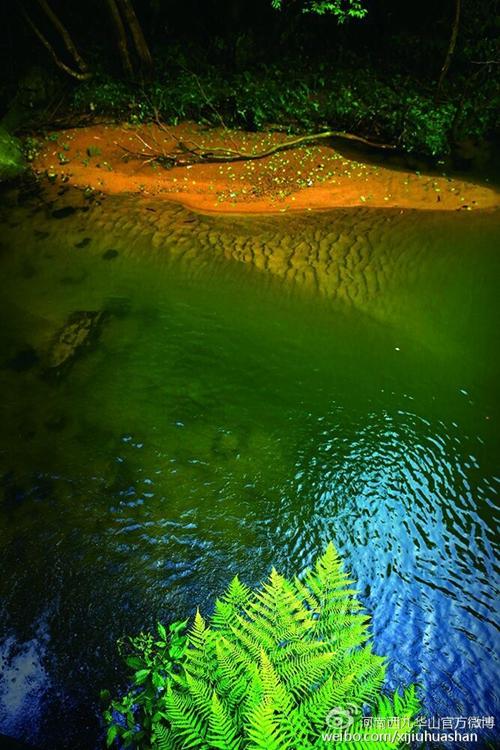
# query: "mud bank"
[[308, 178]]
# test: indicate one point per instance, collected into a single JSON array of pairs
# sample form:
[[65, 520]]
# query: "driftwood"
[[187, 153]]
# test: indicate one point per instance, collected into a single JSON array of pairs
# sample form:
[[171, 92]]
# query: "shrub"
[[393, 108], [274, 668]]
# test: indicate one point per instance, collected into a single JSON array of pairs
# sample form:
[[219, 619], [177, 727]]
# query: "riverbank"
[[311, 177]]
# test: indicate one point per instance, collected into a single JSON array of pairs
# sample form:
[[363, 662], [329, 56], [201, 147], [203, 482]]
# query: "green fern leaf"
[[268, 669], [162, 738], [222, 729]]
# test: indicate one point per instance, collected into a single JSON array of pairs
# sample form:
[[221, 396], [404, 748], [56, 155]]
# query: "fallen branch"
[[187, 153]]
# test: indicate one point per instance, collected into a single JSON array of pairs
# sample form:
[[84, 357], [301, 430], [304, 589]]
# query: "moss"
[[11, 156]]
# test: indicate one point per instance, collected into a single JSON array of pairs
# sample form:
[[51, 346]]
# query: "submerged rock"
[[227, 444], [83, 243], [81, 330], [64, 212], [118, 307], [110, 254], [23, 360], [56, 423], [9, 743]]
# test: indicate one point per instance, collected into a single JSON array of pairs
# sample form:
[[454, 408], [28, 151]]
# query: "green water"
[[227, 420]]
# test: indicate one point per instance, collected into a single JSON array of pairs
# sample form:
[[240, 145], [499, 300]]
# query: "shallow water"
[[228, 419]]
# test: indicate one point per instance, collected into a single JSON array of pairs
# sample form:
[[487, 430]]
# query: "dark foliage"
[[255, 66]]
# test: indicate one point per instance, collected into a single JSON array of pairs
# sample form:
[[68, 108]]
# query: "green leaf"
[[111, 735], [176, 627], [134, 661], [141, 676]]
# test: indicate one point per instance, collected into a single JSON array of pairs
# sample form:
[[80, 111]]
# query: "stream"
[[188, 397]]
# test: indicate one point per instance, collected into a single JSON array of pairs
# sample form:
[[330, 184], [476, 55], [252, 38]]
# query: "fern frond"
[[307, 673], [230, 605], [200, 658], [201, 695], [185, 723], [222, 730], [198, 631], [251, 637], [263, 730], [162, 737], [269, 668], [329, 586], [335, 691], [369, 671], [297, 648], [235, 672], [272, 687], [277, 607], [309, 601]]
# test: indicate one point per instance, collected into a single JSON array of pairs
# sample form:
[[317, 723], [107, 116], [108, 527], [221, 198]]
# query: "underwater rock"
[[83, 243], [11, 493], [30, 192], [63, 213], [81, 331], [56, 423], [119, 307], [9, 743], [227, 444], [23, 360], [77, 278], [28, 270], [42, 487], [110, 254]]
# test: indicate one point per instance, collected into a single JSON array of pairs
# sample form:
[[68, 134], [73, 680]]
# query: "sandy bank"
[[306, 178]]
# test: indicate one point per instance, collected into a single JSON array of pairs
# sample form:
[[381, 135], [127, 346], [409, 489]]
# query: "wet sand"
[[313, 177]]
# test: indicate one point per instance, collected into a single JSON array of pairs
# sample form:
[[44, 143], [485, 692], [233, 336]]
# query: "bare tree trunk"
[[68, 42], [135, 28], [451, 48], [80, 75], [121, 37]]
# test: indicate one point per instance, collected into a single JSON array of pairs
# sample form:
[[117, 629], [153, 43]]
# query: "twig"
[[208, 101], [143, 142]]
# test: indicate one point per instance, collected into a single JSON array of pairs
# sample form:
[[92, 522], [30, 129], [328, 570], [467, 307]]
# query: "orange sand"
[[306, 178]]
